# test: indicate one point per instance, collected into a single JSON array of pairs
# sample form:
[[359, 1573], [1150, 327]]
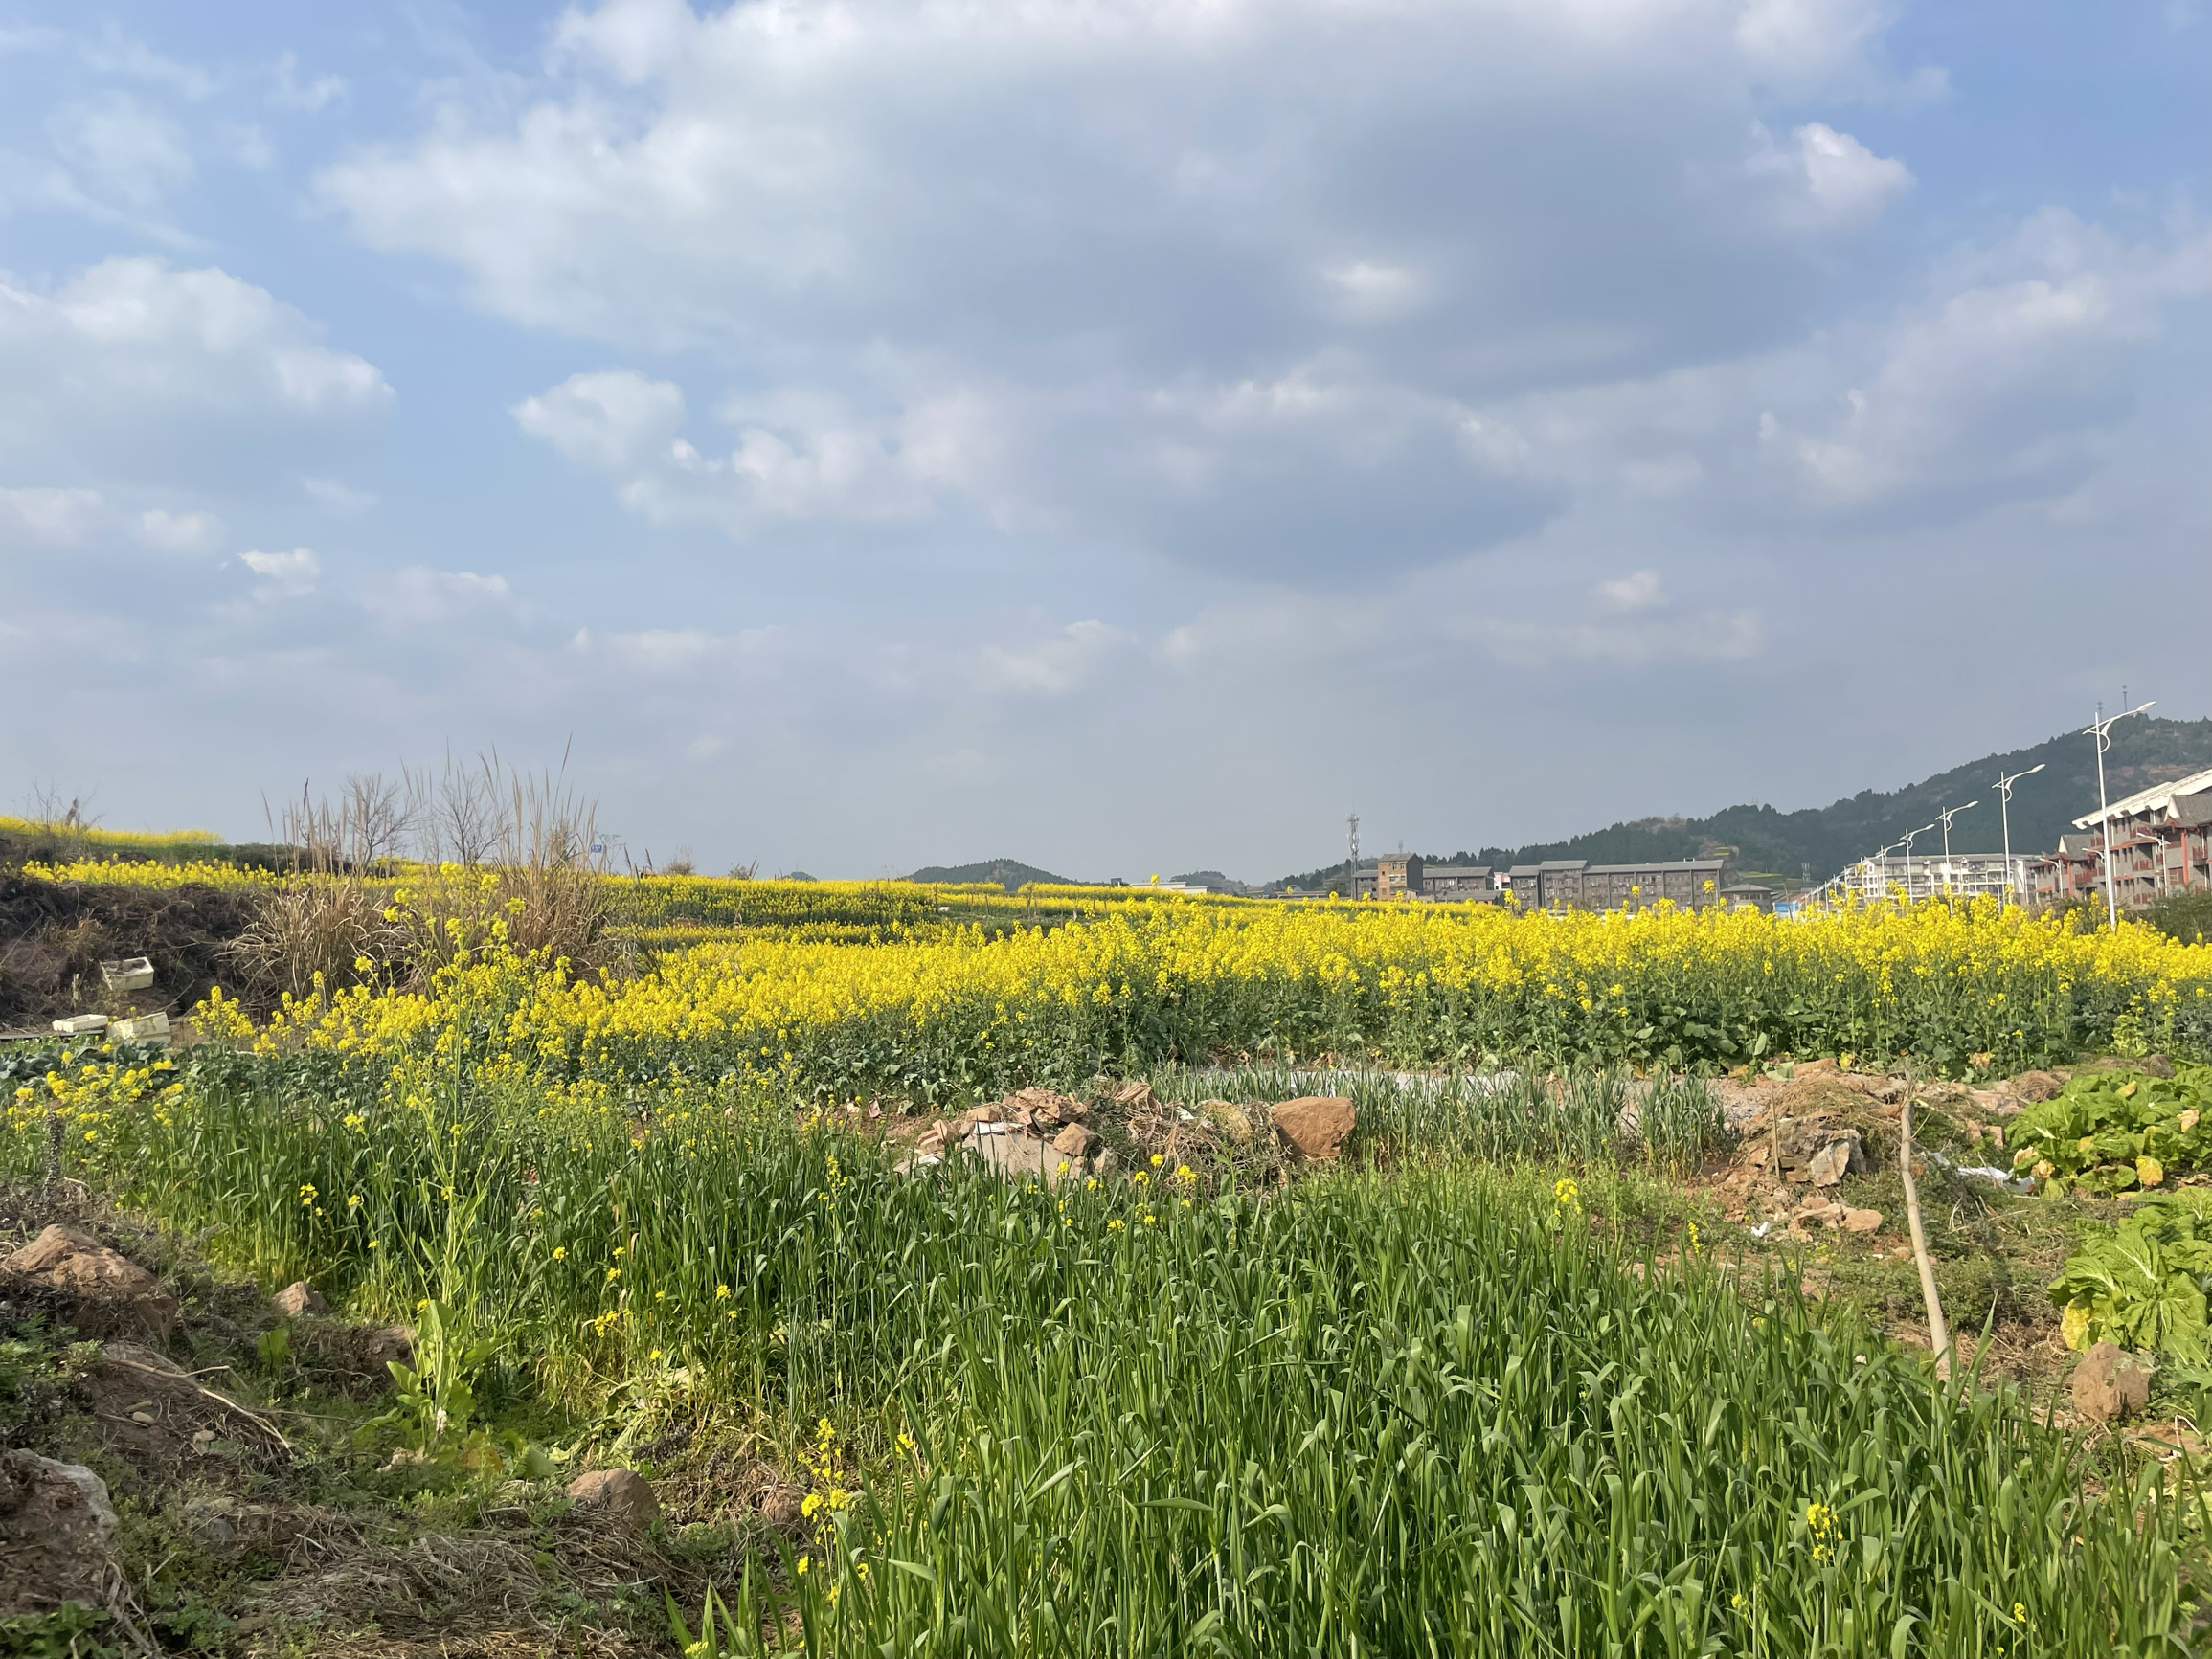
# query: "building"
[[1578, 885], [1398, 876], [1410, 876], [1459, 883], [1749, 896], [2161, 843], [1932, 876]]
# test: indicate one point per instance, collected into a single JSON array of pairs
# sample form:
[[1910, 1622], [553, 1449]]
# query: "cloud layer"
[[864, 427]]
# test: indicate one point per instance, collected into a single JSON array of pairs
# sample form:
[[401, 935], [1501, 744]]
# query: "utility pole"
[[1946, 813], [1352, 871], [2005, 796], [2101, 729], [1906, 844]]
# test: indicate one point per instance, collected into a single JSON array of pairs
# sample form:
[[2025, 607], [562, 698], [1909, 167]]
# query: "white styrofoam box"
[[131, 974], [81, 1025]]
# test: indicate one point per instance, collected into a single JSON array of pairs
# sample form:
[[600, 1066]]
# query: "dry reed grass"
[[504, 853]]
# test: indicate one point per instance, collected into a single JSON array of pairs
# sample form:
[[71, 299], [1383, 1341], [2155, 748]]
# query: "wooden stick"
[[1938, 1332]]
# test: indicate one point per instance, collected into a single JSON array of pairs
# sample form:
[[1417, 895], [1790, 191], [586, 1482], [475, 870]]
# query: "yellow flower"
[[560, 1252]]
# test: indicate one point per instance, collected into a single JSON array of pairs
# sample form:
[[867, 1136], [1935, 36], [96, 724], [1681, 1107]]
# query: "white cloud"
[[173, 532], [121, 151], [1822, 183], [1370, 293], [290, 91], [338, 496], [1710, 635], [1053, 667], [284, 575], [2000, 388], [613, 422], [1091, 271], [54, 518], [418, 596], [813, 463], [1640, 591], [130, 369]]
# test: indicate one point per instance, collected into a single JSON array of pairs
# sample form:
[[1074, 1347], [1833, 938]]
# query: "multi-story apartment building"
[[2161, 842]]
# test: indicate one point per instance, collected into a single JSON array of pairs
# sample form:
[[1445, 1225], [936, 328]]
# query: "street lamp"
[[1906, 844], [2005, 796], [1947, 814], [1874, 864], [2101, 729]]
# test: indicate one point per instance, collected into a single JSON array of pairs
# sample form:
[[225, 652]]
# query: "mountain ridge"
[[1814, 843]]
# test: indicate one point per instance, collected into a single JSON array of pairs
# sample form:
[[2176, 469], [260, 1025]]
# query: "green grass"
[[1435, 1407]]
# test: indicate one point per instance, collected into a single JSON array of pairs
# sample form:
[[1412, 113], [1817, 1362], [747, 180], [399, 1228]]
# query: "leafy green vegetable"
[[2141, 1283], [2113, 1131]]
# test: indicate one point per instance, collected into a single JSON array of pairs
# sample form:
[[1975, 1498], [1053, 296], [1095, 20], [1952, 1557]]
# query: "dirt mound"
[[101, 1292], [152, 1412], [56, 934], [54, 1524]]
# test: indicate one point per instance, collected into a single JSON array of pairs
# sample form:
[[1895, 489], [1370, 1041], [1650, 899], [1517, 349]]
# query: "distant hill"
[[1009, 873], [1823, 840]]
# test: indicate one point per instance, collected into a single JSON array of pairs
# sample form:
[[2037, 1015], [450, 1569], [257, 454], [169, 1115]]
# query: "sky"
[[1120, 434]]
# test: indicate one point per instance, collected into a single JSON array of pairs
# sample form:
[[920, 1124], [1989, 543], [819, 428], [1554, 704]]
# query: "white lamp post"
[[2004, 797], [1906, 844], [1946, 815], [2101, 729]]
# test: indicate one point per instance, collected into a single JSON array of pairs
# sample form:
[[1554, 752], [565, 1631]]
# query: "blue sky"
[[1123, 436]]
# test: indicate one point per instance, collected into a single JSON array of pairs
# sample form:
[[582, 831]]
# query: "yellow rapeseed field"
[[1408, 984]]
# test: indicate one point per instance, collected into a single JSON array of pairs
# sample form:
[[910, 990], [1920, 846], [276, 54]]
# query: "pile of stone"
[[1801, 1160], [1032, 1132], [1041, 1131]]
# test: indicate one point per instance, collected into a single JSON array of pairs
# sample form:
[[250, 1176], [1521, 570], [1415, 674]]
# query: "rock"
[[622, 1494], [2110, 1383], [54, 1523], [300, 1298], [1229, 1118], [2036, 1086], [1017, 1155], [1830, 1163], [2154, 1065], [1047, 1106], [1820, 1210], [113, 1294], [1135, 1094], [1861, 1221], [1105, 1163], [1318, 1125], [781, 1507], [976, 1115], [1074, 1142]]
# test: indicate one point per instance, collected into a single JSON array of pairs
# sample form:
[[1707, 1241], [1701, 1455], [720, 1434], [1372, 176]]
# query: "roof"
[[1668, 864], [1445, 872], [2153, 801]]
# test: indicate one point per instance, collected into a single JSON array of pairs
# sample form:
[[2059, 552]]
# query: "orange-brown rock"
[[113, 1294], [1316, 1125]]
